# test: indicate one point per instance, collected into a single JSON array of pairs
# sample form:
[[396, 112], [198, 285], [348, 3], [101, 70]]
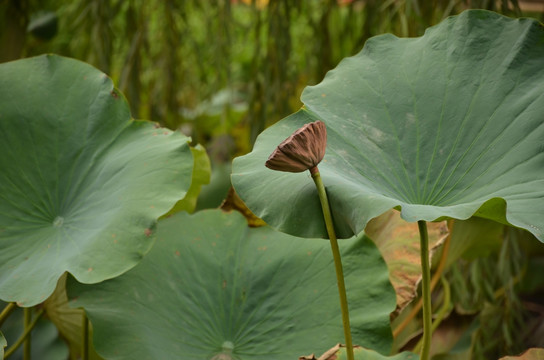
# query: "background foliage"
[[222, 70]]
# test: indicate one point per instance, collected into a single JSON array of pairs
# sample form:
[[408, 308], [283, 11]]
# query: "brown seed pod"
[[301, 151]]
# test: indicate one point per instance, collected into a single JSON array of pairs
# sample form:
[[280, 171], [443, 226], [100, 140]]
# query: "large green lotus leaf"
[[211, 285], [82, 184], [446, 125]]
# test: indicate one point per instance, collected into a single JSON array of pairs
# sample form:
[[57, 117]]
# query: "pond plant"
[[448, 125], [83, 186], [302, 151], [445, 126]]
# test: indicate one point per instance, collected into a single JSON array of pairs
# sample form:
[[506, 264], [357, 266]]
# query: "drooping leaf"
[[233, 202], [82, 184], [446, 125], [68, 321], [398, 242], [212, 286]]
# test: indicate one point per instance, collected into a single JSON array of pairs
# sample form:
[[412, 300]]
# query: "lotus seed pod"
[[301, 151]]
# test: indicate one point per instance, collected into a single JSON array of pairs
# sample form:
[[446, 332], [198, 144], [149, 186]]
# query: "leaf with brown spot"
[[76, 168], [280, 303], [398, 242]]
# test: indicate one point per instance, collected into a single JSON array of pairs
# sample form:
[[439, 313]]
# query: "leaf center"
[[226, 352], [59, 220]]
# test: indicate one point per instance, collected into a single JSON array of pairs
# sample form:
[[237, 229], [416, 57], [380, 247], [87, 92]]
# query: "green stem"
[[27, 319], [85, 338], [7, 310], [446, 306], [27, 331], [434, 280], [337, 260], [442, 313], [425, 290]]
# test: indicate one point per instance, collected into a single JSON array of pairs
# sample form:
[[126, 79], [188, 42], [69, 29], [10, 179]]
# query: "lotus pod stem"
[[337, 259], [425, 290]]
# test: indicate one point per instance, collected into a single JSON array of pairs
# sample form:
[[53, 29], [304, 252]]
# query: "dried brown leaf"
[[398, 242], [233, 202]]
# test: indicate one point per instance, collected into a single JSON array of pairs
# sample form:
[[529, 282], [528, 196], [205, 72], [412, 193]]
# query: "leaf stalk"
[[27, 319], [337, 259], [425, 290], [85, 337], [26, 332], [7, 311]]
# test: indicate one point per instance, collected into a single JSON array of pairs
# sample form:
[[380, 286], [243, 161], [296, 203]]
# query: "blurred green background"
[[221, 70]]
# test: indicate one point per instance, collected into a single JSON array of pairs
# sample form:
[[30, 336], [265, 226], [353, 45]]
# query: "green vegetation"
[[433, 138]]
